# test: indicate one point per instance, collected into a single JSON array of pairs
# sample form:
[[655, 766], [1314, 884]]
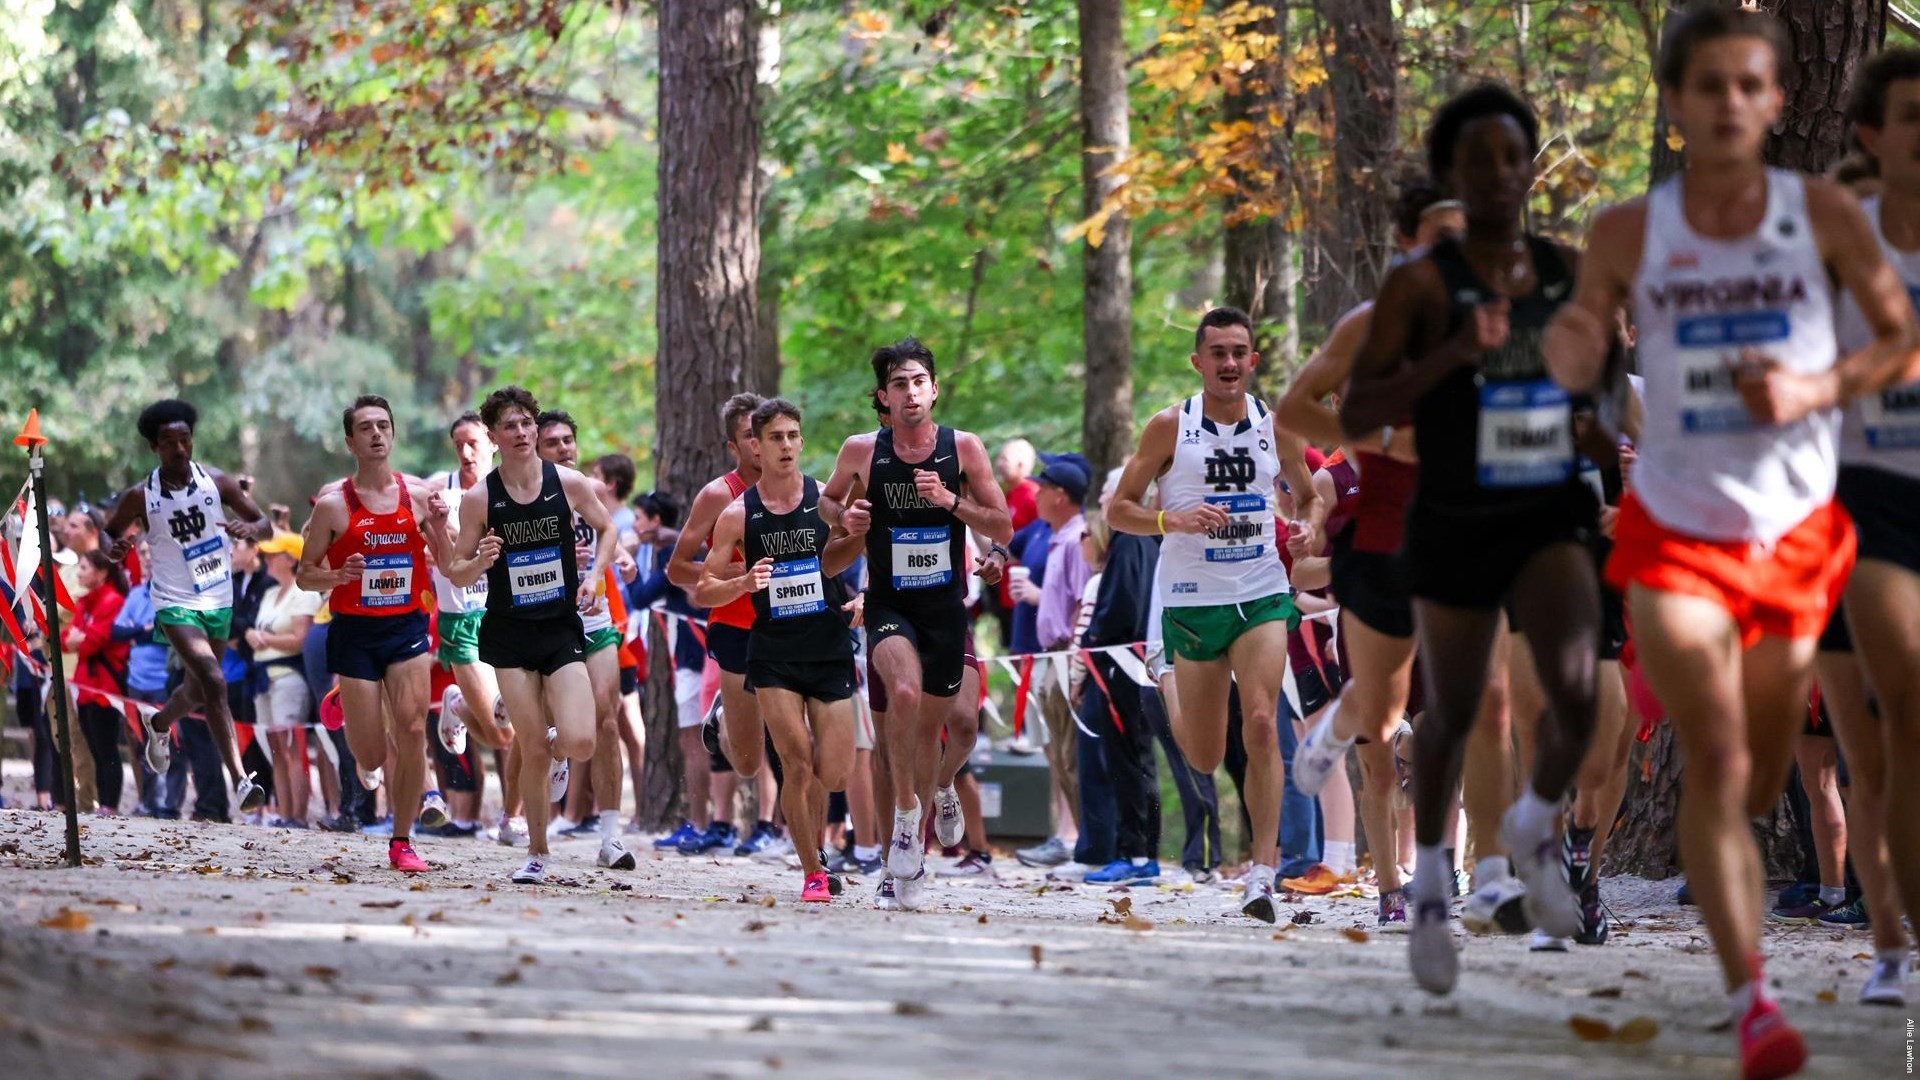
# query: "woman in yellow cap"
[[278, 636]]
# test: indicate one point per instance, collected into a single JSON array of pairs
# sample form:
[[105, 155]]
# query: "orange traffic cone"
[[30, 434]]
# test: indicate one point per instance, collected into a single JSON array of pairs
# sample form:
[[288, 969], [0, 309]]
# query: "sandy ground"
[[193, 950]]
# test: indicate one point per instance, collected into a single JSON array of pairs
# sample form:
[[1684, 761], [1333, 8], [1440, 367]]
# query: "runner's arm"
[[476, 548], [1852, 252], [1577, 339], [683, 568], [252, 525], [323, 528], [584, 495], [129, 510], [1127, 511], [1309, 509], [1387, 378], [714, 589], [1304, 407], [434, 525], [846, 484], [982, 507], [843, 549]]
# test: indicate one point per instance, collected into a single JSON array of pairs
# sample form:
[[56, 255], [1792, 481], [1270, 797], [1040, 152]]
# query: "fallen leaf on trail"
[[774, 1062], [1036, 953], [508, 979], [767, 901], [528, 959], [1122, 905], [255, 1023], [787, 988], [1283, 937], [166, 964], [245, 969], [761, 1023], [1630, 973], [982, 920], [1604, 992], [1356, 935], [1137, 924], [321, 971], [1862, 956], [1302, 917], [755, 926], [437, 916], [1590, 1028], [421, 887], [381, 903], [206, 868], [1827, 996], [67, 919], [1637, 1030], [621, 886], [911, 1008]]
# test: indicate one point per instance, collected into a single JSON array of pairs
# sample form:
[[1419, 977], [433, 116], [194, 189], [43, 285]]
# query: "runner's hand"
[[624, 566], [858, 518], [1575, 342], [761, 575], [350, 570], [927, 483], [588, 597], [1197, 520], [489, 550], [1300, 540], [1774, 395], [856, 609], [990, 568], [118, 552], [438, 505]]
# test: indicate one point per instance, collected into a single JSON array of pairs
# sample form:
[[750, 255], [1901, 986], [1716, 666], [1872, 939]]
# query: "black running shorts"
[[542, 646]]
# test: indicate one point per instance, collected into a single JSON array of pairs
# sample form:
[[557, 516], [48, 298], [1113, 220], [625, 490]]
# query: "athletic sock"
[[866, 854], [467, 824], [398, 840], [1892, 958], [1536, 814], [1138, 860], [1833, 895], [1339, 856], [1491, 868], [1432, 873]]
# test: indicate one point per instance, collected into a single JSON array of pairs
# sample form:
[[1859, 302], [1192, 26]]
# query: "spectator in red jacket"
[[102, 666]]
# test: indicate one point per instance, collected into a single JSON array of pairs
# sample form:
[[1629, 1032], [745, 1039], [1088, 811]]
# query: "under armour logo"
[[186, 524], [1230, 471]]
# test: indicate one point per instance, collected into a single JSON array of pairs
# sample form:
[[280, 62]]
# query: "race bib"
[[796, 589], [1526, 435], [1892, 418], [1709, 346], [534, 576], [922, 558], [207, 563], [1244, 536], [475, 594], [387, 581]]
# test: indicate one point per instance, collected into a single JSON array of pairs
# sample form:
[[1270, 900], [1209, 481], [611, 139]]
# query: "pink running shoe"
[[402, 857], [817, 891]]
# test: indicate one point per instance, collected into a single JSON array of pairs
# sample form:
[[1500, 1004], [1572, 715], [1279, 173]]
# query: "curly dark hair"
[[508, 397], [162, 413], [1487, 99]]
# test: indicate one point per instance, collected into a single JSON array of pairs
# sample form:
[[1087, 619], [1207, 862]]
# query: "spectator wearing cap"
[[1062, 490], [279, 638]]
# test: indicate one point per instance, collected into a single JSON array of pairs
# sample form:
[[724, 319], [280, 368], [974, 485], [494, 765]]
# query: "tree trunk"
[[1107, 304], [1830, 39], [709, 270], [1259, 254], [1361, 74]]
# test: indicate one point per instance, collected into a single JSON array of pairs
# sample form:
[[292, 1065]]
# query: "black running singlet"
[[916, 551], [796, 616], [1500, 432], [535, 576]]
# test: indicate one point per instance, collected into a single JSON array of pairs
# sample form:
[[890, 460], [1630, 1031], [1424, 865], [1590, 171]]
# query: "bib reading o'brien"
[[535, 576], [922, 557]]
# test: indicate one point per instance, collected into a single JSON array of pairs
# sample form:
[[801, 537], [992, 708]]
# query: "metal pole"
[[58, 702]]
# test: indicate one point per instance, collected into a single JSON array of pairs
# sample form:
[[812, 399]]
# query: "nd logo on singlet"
[[186, 524], [1230, 471]]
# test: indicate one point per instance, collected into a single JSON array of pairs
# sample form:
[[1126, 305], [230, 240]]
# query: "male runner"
[[1879, 485], [558, 445], [474, 692], [1729, 545], [1368, 490], [742, 734], [799, 655], [1500, 517], [181, 509], [1218, 459], [913, 488], [367, 544], [517, 529]]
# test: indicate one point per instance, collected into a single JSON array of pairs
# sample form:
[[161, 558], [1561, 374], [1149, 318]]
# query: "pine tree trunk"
[[1259, 253], [1361, 73], [709, 270], [1107, 303], [1830, 39]]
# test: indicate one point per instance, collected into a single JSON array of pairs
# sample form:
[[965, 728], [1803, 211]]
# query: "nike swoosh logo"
[[810, 509], [938, 460], [551, 497]]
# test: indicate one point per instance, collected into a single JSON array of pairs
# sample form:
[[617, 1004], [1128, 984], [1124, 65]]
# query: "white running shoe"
[[1319, 754], [369, 778], [433, 811], [1430, 952], [614, 854], [1498, 906], [1886, 985], [949, 822], [1541, 863], [776, 852], [557, 773], [531, 872], [884, 897], [1257, 902], [159, 750], [1545, 942], [249, 796], [910, 891], [905, 855], [511, 832], [558, 824], [453, 730], [1071, 871]]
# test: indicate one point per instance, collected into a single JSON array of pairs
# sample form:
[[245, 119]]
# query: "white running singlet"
[[1237, 471], [187, 545], [1883, 429], [1706, 468], [601, 617], [448, 597]]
